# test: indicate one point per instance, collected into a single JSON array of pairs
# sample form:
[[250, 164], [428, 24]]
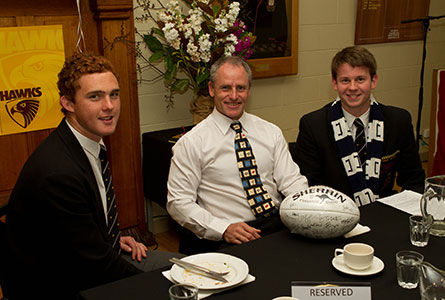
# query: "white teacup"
[[357, 256]]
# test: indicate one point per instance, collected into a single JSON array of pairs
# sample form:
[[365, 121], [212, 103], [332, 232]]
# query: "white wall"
[[322, 32]]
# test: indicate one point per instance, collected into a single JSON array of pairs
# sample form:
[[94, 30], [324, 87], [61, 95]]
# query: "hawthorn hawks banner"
[[30, 59]]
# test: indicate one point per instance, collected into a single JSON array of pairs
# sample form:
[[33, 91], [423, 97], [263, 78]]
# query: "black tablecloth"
[[278, 259]]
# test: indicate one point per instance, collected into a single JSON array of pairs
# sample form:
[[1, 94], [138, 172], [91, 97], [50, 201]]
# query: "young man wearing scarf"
[[329, 151]]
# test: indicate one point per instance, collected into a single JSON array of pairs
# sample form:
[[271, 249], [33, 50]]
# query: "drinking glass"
[[183, 292], [419, 230], [407, 264]]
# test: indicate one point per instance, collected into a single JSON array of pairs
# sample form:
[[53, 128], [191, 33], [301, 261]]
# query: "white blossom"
[[195, 17], [187, 30], [199, 45], [164, 16], [171, 35], [204, 46], [233, 12], [173, 7], [193, 51], [229, 50], [221, 24], [176, 44], [232, 38]]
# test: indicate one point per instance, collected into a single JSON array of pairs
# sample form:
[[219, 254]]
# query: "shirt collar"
[[350, 118], [223, 122], [87, 144]]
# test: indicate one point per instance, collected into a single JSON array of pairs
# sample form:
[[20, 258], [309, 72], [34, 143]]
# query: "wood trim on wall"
[[280, 66], [114, 20]]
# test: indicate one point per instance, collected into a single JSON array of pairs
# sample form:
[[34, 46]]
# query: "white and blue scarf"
[[364, 184]]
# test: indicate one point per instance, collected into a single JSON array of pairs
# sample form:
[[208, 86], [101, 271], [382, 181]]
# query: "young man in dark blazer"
[[57, 234], [358, 157]]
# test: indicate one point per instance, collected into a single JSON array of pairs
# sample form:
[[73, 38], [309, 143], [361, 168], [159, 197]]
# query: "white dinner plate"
[[238, 270], [376, 267]]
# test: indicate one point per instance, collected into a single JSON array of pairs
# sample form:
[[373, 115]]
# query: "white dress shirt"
[[351, 118], [205, 193]]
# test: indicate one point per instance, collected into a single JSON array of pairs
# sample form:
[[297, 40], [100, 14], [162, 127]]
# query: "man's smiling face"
[[354, 86], [231, 90], [96, 107]]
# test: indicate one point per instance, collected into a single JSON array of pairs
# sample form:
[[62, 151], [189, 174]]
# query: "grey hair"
[[233, 60]]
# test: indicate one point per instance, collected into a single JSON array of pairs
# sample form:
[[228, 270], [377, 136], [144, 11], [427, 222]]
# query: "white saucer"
[[376, 267]]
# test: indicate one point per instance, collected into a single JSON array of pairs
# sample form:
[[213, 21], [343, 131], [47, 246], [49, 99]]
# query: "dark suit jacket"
[[56, 230], [317, 155]]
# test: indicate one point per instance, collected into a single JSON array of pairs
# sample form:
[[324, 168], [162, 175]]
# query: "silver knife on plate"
[[204, 271]]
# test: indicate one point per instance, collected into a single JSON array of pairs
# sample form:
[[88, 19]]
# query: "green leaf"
[[180, 85], [243, 34], [216, 9], [153, 43], [170, 73], [168, 62], [156, 56], [158, 31], [203, 76]]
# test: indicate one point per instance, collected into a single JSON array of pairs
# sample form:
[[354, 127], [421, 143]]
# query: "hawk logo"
[[22, 111]]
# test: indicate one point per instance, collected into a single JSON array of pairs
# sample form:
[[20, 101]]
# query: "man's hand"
[[138, 250], [239, 233]]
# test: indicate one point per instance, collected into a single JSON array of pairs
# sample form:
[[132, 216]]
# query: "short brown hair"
[[76, 66], [355, 56]]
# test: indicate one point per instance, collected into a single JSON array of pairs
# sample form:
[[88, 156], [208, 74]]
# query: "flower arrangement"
[[192, 42]]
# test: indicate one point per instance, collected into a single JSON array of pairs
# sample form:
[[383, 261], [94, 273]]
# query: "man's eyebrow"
[[96, 92], [102, 91]]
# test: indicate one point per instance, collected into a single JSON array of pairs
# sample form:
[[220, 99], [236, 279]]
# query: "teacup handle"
[[337, 252]]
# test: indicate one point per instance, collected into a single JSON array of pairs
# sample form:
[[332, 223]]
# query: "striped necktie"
[[258, 198], [112, 219], [360, 140]]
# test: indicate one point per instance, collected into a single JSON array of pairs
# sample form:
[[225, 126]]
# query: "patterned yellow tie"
[[258, 198]]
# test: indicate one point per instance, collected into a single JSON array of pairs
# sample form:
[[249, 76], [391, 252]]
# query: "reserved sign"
[[311, 290]]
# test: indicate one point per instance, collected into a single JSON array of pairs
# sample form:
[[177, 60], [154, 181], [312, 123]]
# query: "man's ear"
[[67, 104], [374, 81], [211, 90], [334, 83]]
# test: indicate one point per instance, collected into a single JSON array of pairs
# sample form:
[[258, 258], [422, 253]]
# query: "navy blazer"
[[317, 155], [56, 230]]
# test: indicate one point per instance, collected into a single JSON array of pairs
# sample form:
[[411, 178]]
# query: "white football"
[[319, 212]]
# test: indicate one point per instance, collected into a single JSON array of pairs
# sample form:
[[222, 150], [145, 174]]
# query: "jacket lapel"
[[79, 156]]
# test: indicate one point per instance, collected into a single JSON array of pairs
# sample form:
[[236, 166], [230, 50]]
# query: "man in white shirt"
[[205, 192]]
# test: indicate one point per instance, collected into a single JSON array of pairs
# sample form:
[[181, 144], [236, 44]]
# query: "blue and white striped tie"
[[112, 219], [360, 141]]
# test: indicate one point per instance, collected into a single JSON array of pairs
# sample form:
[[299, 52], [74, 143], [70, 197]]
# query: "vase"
[[201, 107]]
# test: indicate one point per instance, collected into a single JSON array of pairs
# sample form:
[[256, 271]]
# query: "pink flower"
[[243, 47]]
